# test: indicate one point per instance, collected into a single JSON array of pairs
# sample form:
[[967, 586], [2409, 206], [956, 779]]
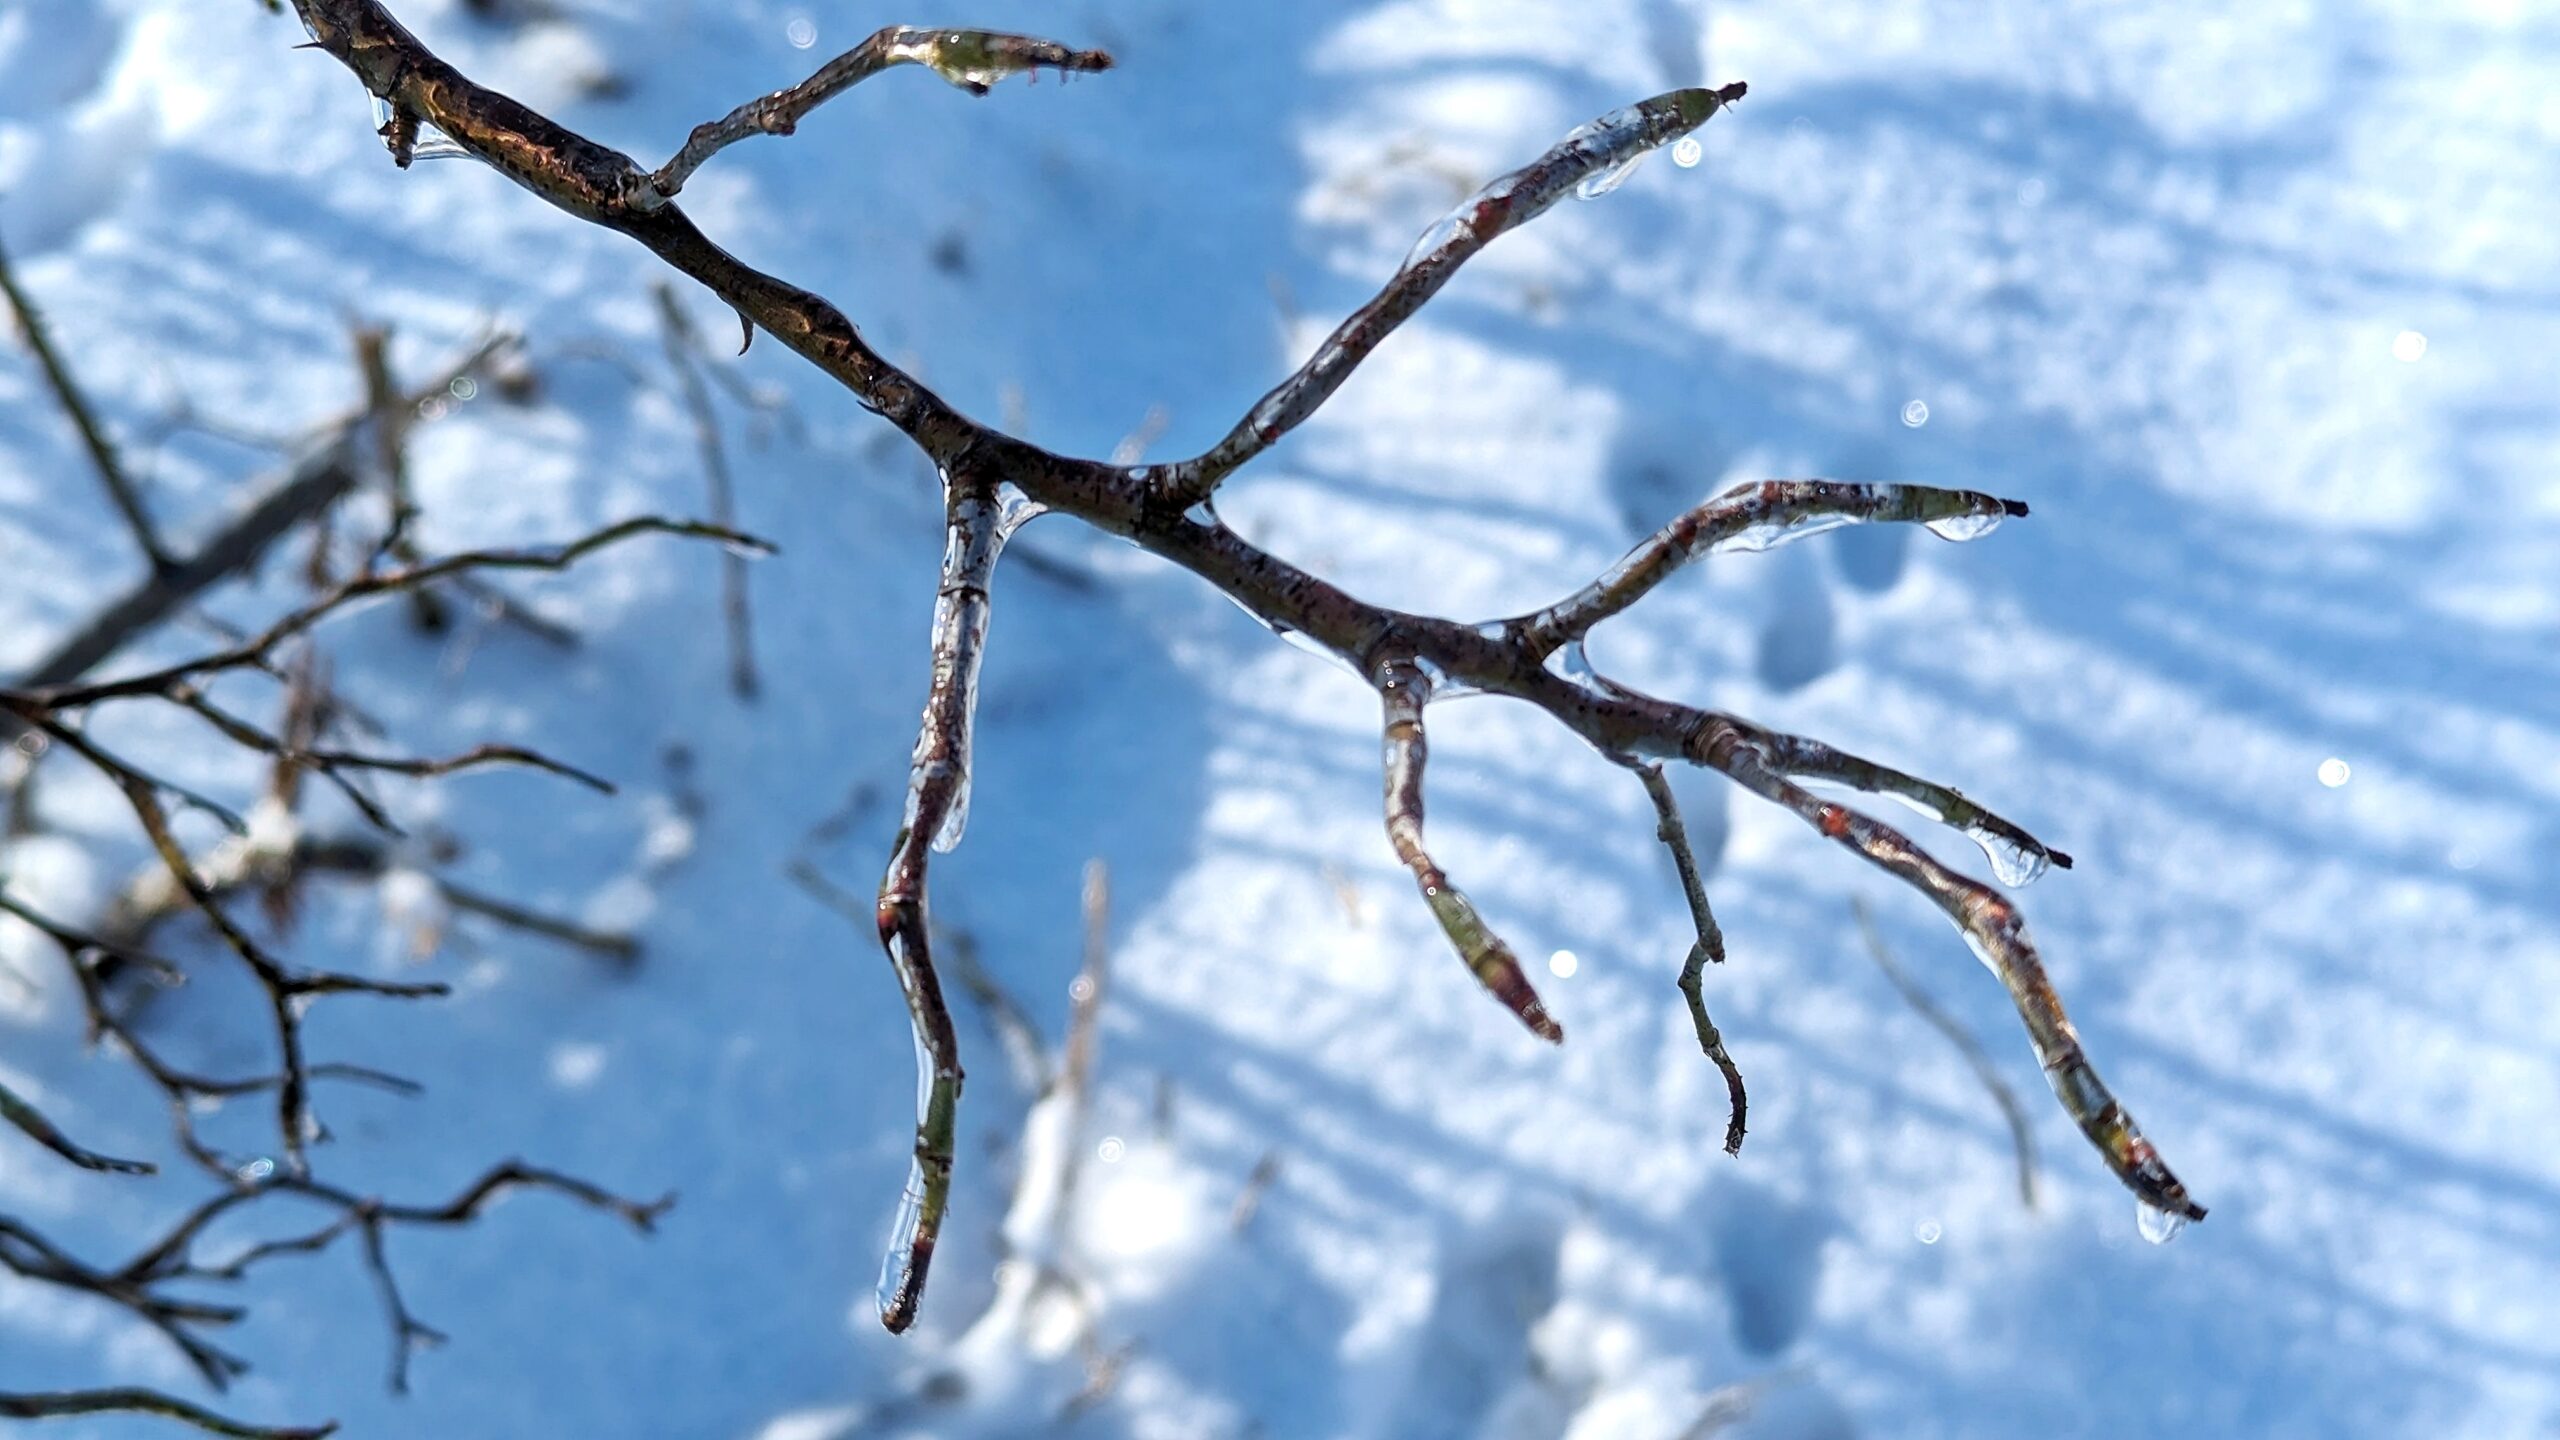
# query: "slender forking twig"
[[93, 437], [970, 59], [1707, 949], [1154, 507]]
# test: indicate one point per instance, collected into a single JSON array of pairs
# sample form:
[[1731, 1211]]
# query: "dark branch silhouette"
[[994, 481]]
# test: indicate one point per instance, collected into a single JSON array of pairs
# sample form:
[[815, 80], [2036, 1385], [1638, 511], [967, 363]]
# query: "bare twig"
[[2022, 1137], [143, 1284], [325, 471], [683, 356], [390, 415], [1257, 1184], [1074, 1092], [134, 1400], [1706, 950], [93, 437], [16, 1110]]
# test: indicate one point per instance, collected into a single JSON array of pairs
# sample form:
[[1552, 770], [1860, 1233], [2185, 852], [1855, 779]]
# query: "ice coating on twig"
[[1163, 510], [973, 60], [1998, 937], [1596, 148], [1760, 516], [936, 814], [1404, 691], [2017, 857]]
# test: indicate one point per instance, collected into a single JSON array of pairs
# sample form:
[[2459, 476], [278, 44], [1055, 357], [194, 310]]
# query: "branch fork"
[[992, 480]]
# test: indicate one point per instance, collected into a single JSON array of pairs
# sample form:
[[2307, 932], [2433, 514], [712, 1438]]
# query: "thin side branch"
[[56, 1404], [683, 355], [2022, 1139], [1758, 516], [254, 652], [973, 60], [1707, 949], [1405, 691], [1998, 934], [326, 470], [93, 437], [1599, 148], [31, 1121]]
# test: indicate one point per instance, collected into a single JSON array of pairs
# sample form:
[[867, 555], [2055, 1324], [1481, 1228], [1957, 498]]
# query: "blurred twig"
[[2021, 1137]]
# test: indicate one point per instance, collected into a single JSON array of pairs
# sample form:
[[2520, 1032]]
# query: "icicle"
[[1963, 527], [2013, 863], [2157, 1225]]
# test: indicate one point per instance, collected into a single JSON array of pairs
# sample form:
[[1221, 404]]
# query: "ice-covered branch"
[[973, 60], [1591, 155], [1159, 511], [1757, 516], [937, 812], [1404, 692], [1998, 935]]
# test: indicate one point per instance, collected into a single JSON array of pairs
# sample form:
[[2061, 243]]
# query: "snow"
[[2252, 306]]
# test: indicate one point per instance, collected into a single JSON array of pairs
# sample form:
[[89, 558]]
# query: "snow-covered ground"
[[2253, 304]]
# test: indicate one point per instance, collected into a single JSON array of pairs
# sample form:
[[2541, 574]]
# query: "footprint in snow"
[[1769, 1254]]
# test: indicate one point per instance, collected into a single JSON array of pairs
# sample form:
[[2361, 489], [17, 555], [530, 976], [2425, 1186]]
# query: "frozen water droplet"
[[1014, 509], [2014, 863], [1444, 686], [1601, 182], [1687, 152], [1458, 224], [802, 32], [1916, 414], [2157, 1225], [1964, 527], [1573, 662]]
